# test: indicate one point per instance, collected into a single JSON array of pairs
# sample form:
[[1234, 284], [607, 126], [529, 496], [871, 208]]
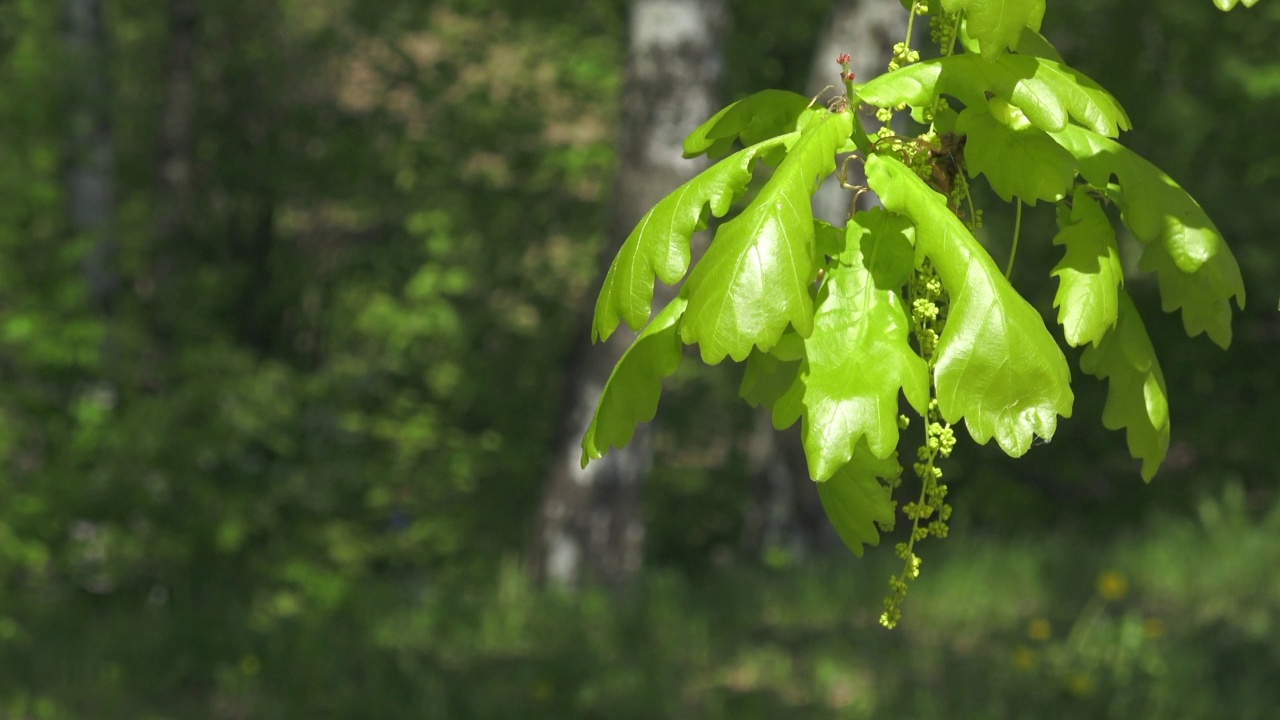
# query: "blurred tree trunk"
[[174, 175], [867, 30], [786, 514], [589, 524], [91, 165]]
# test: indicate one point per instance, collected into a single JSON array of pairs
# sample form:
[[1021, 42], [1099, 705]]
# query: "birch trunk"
[[787, 519], [589, 524]]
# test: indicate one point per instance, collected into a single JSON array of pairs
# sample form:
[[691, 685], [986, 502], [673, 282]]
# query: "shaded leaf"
[[790, 347], [1031, 43], [1137, 399], [756, 276], [1019, 160], [828, 239], [1037, 45], [855, 501], [1047, 92], [753, 119], [788, 408], [1090, 274], [997, 25], [766, 379], [856, 359], [888, 247], [996, 364], [631, 394], [1192, 262], [659, 244], [944, 119]]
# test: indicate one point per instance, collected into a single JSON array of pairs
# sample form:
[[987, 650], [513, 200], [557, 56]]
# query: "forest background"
[[293, 304]]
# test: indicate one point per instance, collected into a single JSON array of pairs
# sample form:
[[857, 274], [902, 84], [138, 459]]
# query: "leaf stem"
[[929, 304], [955, 35], [911, 21], [1017, 230]]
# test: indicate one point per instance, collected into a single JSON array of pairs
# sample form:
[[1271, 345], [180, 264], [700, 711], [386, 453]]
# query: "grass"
[[1179, 620]]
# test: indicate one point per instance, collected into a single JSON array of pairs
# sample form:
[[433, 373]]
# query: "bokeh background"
[[293, 305]]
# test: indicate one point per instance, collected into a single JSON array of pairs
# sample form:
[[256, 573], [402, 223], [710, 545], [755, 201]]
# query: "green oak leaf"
[[828, 239], [1204, 296], [789, 407], [1037, 45], [1048, 93], [1032, 43], [1192, 262], [767, 378], [790, 347], [997, 25], [1137, 399], [888, 247], [756, 276], [856, 359], [944, 118], [753, 119], [1090, 274], [659, 244], [996, 364], [856, 502], [1225, 5], [1018, 159], [631, 394]]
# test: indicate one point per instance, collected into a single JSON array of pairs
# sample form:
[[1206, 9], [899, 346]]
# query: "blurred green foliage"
[[1130, 629], [336, 369], [280, 476]]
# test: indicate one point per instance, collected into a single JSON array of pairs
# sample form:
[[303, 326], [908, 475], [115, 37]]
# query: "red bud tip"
[[843, 59]]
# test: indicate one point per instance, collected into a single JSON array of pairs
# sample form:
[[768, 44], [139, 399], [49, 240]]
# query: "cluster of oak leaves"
[[834, 322]]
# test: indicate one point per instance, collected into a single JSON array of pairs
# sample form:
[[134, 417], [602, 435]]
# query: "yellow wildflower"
[[1113, 585]]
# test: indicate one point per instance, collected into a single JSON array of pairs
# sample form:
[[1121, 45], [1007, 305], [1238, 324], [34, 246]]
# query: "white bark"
[[589, 524], [787, 514], [867, 30]]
